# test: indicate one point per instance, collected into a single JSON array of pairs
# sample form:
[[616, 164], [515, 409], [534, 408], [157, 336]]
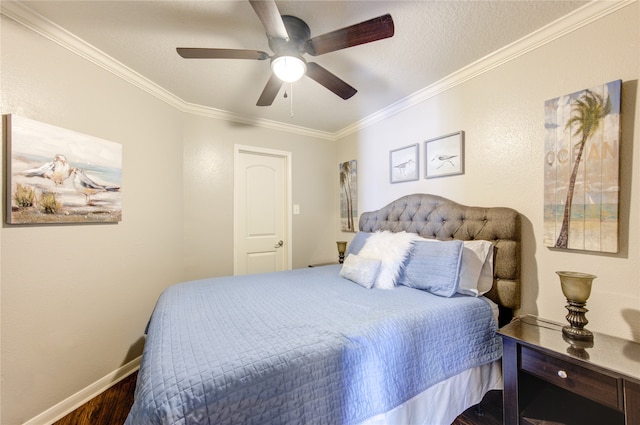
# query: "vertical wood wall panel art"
[[56, 175], [348, 196], [581, 169]]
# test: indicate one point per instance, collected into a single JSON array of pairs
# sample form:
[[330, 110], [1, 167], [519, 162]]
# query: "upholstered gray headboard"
[[436, 217]]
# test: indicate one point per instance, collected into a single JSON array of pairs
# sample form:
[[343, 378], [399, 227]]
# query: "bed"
[[337, 344]]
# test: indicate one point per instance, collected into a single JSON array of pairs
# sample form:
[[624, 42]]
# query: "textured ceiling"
[[432, 40]]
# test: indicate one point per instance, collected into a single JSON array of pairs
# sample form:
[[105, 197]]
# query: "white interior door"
[[262, 210]]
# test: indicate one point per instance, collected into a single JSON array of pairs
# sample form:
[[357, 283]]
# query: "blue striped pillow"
[[434, 266]]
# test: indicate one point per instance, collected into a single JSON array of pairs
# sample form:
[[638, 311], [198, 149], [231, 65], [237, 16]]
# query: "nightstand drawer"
[[585, 382]]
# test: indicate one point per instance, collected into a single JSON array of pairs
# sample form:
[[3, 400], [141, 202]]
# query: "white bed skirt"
[[442, 403]]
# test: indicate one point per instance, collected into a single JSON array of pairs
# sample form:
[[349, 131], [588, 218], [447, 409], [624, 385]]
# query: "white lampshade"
[[288, 68]]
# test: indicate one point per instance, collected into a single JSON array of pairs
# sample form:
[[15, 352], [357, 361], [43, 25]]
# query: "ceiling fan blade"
[[204, 53], [329, 80], [269, 15], [270, 91], [365, 32]]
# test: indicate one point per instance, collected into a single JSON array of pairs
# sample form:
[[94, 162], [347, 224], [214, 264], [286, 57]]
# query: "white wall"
[[75, 299], [502, 114]]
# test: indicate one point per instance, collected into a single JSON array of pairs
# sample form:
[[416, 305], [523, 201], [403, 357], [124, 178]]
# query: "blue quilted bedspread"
[[301, 347]]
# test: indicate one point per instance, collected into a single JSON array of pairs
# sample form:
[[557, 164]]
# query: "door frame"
[[288, 203]]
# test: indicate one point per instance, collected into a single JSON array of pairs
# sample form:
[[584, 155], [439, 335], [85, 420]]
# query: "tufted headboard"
[[435, 217]]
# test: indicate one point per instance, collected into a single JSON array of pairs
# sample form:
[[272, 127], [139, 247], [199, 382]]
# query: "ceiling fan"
[[289, 38]]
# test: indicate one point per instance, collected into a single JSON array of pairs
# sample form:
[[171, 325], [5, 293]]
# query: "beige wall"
[[502, 114], [75, 299], [208, 193]]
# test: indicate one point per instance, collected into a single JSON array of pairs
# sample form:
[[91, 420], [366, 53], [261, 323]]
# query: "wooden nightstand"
[[323, 264], [548, 380]]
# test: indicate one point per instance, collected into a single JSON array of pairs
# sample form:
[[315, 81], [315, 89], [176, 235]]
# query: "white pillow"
[[476, 272], [391, 249], [360, 270]]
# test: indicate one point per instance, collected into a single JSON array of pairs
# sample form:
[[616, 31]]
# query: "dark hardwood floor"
[[109, 408], [112, 407], [488, 412]]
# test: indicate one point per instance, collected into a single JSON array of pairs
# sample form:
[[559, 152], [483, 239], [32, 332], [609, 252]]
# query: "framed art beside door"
[[348, 196]]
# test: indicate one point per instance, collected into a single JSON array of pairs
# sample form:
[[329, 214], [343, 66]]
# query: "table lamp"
[[576, 287], [342, 248]]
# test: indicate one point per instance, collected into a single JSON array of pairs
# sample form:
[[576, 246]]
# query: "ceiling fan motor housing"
[[299, 33]]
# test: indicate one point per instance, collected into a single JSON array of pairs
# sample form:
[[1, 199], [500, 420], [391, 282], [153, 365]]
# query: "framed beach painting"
[[581, 167], [444, 156], [404, 164], [55, 175], [348, 196]]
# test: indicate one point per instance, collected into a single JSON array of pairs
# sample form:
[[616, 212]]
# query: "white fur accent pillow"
[[360, 270], [391, 249]]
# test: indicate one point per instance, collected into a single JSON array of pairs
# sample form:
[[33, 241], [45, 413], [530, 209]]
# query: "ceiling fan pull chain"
[[291, 99]]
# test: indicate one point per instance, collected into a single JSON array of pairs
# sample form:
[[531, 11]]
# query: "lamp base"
[[577, 319], [578, 348], [577, 333]]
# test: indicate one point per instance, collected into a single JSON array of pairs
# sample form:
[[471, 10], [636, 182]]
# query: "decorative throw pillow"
[[391, 249], [476, 273], [357, 243], [360, 270], [434, 267]]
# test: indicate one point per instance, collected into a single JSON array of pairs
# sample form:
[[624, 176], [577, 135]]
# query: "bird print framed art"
[[404, 164], [444, 156], [55, 175]]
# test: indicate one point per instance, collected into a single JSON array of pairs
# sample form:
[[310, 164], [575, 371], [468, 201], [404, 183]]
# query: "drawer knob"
[[562, 374]]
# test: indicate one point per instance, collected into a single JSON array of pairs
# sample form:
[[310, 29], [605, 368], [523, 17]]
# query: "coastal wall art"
[[348, 196], [581, 167], [55, 175], [444, 156], [404, 164]]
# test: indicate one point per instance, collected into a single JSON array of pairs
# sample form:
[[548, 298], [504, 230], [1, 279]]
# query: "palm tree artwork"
[[348, 196], [581, 169]]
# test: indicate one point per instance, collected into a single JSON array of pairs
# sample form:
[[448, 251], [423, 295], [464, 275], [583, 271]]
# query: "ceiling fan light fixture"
[[288, 68]]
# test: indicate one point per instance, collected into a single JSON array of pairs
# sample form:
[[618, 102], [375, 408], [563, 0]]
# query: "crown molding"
[[205, 111], [582, 16], [25, 16], [577, 19]]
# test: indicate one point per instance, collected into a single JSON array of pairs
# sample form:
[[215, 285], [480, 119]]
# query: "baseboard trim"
[[70, 404]]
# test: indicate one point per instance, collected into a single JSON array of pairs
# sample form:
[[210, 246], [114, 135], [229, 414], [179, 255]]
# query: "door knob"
[[279, 244]]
